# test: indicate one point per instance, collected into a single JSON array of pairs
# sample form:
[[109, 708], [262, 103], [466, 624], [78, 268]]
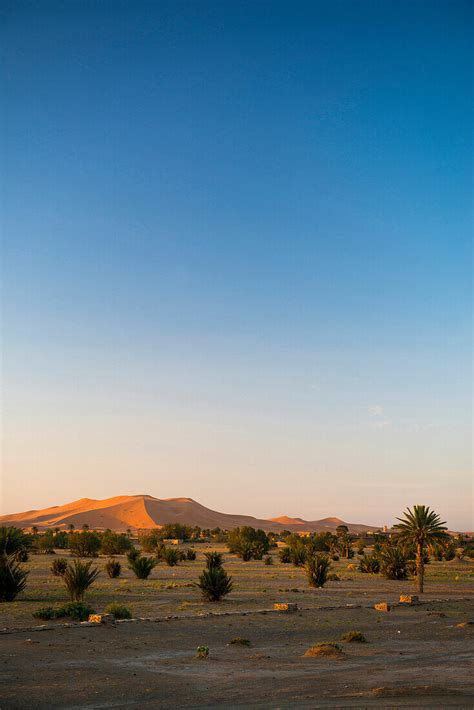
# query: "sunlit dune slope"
[[144, 512]]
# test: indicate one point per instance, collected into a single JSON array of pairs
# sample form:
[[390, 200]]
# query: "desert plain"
[[415, 656]]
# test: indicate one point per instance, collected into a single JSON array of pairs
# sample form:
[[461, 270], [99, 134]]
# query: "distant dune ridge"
[[143, 512]]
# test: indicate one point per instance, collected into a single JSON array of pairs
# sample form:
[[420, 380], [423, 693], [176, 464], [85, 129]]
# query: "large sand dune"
[[144, 511]]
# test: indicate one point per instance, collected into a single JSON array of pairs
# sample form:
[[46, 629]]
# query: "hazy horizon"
[[237, 259]]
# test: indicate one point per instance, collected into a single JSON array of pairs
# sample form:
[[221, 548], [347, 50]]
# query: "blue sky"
[[236, 255]]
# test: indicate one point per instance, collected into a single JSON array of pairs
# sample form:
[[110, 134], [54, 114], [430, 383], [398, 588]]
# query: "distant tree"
[[114, 543], [70, 527], [84, 544], [248, 543], [423, 528]]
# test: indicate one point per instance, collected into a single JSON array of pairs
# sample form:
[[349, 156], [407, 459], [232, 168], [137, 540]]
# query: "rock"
[[100, 618], [285, 606], [382, 606], [408, 599]]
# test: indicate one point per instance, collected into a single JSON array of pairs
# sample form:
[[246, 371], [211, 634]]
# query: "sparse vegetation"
[[59, 566], [118, 611], [170, 555], [78, 577], [142, 566], [214, 584], [213, 559], [12, 578], [248, 543], [369, 564], [238, 641], [317, 569], [77, 611], [113, 568]]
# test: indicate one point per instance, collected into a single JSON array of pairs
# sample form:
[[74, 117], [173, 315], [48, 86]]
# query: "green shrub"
[[58, 566], [78, 577], [369, 564], [395, 563], [214, 583], [284, 554], [115, 543], [317, 569], [133, 554], [213, 559], [74, 610], [14, 543], [190, 554], [170, 555], [113, 568], [77, 610], [12, 577], [142, 566], [84, 544], [248, 543], [268, 560], [118, 611], [354, 637], [202, 652], [46, 613]]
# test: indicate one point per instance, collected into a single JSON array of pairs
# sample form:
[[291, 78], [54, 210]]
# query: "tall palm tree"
[[423, 528]]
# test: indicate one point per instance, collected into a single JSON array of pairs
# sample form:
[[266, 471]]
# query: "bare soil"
[[415, 656]]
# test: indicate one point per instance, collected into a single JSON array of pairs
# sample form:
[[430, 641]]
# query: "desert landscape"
[[359, 634], [236, 463]]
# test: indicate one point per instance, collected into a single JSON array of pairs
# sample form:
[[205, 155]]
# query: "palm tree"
[[423, 528]]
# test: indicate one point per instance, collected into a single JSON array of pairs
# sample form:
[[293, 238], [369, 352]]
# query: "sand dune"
[[144, 511]]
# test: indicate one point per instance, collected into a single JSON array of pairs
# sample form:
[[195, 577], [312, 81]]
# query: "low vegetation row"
[[419, 535]]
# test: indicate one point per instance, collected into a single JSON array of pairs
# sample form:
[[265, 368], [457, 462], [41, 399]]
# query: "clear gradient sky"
[[236, 255]]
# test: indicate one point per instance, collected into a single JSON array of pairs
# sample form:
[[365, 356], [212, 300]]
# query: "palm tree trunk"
[[420, 567]]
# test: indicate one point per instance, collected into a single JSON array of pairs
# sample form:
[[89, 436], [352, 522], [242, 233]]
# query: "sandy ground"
[[414, 657]]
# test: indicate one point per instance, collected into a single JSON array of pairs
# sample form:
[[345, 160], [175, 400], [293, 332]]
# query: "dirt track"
[[414, 658]]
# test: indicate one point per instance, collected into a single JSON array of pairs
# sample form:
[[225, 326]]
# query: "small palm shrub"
[[202, 652], [190, 554], [14, 543], [317, 569], [133, 554], [58, 566], [12, 578], [395, 564], [78, 577], [171, 556], [354, 637], [268, 560], [142, 566], [369, 564], [213, 559], [113, 568], [285, 555], [118, 611], [299, 553], [214, 583]]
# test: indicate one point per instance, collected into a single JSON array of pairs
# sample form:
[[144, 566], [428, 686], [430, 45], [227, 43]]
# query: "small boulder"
[[286, 606]]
